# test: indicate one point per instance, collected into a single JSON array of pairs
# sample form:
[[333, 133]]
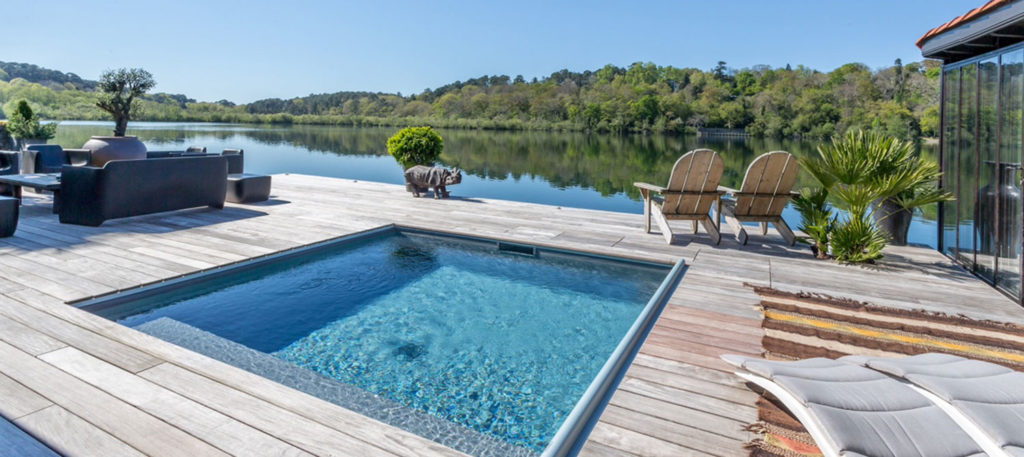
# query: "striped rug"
[[803, 325]]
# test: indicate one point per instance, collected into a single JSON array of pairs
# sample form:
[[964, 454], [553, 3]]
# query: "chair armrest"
[[11, 161], [78, 157], [650, 187]]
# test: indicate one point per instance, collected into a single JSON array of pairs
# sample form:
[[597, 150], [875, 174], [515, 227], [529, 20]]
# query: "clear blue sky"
[[247, 50]]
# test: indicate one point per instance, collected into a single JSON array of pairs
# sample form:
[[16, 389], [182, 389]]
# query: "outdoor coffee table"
[[37, 181]]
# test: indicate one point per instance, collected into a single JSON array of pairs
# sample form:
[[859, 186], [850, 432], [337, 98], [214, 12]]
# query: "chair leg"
[[785, 231], [709, 226], [718, 212], [647, 210], [666, 231], [693, 226], [764, 228], [735, 224]]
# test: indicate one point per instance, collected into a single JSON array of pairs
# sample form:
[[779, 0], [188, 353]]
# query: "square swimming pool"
[[485, 346]]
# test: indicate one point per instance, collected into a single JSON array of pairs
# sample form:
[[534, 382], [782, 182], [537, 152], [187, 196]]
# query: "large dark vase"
[[893, 220], [107, 148], [1008, 196]]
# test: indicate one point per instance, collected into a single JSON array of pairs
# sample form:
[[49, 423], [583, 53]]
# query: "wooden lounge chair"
[[767, 188], [692, 189]]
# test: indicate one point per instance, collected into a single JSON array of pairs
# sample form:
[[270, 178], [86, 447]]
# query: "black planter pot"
[[893, 220]]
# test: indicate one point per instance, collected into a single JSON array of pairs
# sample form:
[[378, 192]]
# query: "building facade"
[[982, 110]]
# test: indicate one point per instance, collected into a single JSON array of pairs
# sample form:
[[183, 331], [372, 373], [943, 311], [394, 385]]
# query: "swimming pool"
[[485, 346]]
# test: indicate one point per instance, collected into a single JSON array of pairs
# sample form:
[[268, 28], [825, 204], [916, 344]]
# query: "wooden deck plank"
[[25, 338], [299, 431], [628, 441], [219, 430], [673, 432], [69, 434], [140, 430], [18, 400]]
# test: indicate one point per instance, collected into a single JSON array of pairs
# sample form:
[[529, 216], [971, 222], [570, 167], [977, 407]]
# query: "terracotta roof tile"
[[969, 16]]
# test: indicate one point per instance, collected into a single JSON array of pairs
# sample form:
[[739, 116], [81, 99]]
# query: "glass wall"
[[1011, 131], [967, 170], [950, 138], [986, 200], [982, 136]]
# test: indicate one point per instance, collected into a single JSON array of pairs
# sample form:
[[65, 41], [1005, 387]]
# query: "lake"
[[594, 171]]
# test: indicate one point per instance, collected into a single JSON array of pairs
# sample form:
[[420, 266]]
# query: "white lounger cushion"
[[990, 395], [864, 412]]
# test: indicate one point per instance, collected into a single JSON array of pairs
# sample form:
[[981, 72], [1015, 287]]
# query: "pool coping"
[[573, 433]]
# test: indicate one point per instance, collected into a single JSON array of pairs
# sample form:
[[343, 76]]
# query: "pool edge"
[[573, 433]]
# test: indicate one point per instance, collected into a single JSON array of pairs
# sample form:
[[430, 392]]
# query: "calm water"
[[554, 168], [449, 327]]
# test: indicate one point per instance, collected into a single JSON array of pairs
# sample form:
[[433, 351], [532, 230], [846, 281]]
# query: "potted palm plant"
[[120, 91], [878, 181]]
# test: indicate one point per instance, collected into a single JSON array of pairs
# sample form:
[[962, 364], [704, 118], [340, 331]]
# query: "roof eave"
[[997, 28]]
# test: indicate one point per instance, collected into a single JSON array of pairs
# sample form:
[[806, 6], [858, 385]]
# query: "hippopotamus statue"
[[421, 178]]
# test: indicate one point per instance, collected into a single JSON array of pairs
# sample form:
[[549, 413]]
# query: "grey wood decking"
[[87, 386]]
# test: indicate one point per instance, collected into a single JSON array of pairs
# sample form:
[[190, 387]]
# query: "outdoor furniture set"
[[693, 188], [89, 195]]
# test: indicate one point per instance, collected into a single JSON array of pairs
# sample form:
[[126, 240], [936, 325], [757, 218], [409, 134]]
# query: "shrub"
[[817, 219], [415, 146], [858, 241], [24, 124]]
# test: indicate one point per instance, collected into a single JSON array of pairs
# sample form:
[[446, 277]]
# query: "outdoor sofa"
[[124, 188], [235, 157]]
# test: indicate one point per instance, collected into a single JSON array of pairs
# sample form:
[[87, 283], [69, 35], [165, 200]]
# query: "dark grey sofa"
[[124, 188], [236, 157]]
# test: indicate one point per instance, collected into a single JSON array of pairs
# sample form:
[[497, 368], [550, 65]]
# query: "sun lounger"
[[851, 410], [986, 399]]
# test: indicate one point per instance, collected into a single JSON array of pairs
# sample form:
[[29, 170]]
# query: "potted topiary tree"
[[416, 149], [416, 146], [119, 95], [24, 125]]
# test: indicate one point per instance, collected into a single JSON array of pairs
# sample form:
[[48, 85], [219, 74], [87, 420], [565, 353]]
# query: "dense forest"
[[901, 100]]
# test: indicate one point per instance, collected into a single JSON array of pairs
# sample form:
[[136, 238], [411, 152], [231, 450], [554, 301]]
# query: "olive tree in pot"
[[24, 125], [120, 91]]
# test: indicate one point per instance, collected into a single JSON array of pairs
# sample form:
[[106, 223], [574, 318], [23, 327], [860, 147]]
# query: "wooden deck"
[[87, 386]]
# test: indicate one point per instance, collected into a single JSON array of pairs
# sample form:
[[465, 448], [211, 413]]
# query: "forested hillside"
[[900, 100]]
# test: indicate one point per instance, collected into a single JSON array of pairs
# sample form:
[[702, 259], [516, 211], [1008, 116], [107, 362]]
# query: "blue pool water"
[[501, 343]]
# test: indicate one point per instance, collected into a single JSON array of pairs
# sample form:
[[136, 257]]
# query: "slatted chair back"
[[767, 184], [693, 185]]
